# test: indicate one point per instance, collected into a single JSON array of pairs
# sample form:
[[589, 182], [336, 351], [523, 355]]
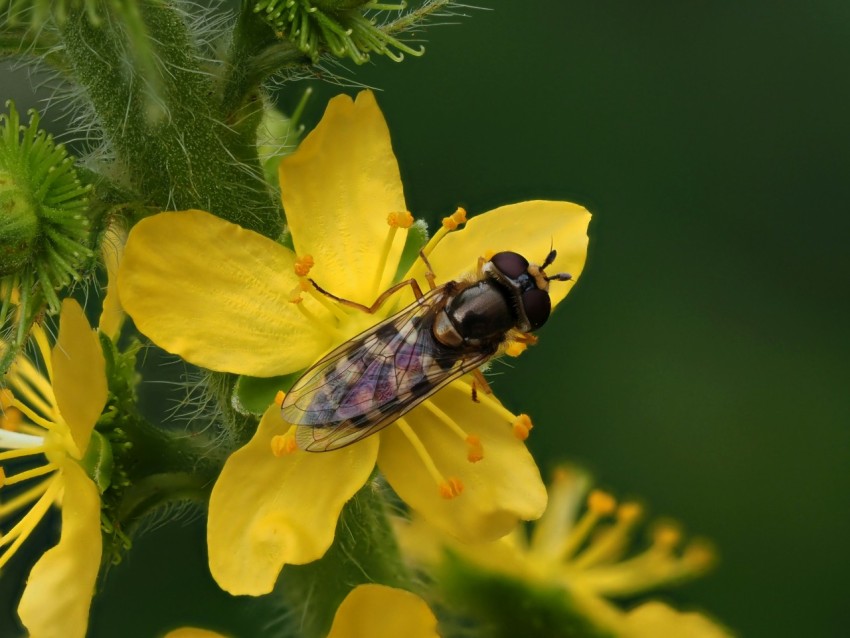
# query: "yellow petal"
[[498, 491], [654, 619], [112, 314], [79, 374], [337, 189], [378, 611], [193, 632], [266, 511], [60, 587], [528, 228], [217, 295]]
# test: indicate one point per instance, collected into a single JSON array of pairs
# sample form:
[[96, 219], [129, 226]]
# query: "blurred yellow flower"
[[51, 419], [584, 552], [368, 611], [230, 300]]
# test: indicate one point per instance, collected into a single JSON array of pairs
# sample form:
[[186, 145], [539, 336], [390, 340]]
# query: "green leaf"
[[253, 395]]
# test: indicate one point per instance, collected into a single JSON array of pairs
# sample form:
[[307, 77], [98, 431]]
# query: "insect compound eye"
[[537, 306], [512, 265]]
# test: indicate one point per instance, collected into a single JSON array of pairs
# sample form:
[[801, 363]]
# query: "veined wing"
[[376, 377]]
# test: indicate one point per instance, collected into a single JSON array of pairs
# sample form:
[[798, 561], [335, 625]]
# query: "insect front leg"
[[429, 272], [380, 301], [478, 381]]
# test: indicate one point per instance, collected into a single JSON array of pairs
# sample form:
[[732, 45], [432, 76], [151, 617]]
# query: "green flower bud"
[[338, 27], [18, 225], [44, 226]]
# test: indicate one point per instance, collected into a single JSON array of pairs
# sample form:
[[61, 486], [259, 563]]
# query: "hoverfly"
[[373, 379]]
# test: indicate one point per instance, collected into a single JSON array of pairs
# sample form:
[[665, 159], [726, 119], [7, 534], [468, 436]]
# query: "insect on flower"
[[376, 377]]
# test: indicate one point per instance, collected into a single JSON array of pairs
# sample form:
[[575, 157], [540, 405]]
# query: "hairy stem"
[[168, 136]]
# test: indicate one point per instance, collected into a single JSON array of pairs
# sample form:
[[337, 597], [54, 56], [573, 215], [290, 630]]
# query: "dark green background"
[[701, 362]]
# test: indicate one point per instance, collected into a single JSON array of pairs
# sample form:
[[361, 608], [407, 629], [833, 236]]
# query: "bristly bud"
[[44, 225], [339, 27]]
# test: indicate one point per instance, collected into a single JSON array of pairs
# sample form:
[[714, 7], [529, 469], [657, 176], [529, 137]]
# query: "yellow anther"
[[699, 554], [515, 348], [476, 451], [2, 476], [522, 426], [629, 512], [451, 488], [283, 444], [295, 294], [601, 503], [303, 265], [666, 535], [401, 219], [279, 397], [455, 219]]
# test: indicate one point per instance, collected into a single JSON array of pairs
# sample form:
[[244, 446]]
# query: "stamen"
[[699, 555], [445, 419], [303, 265], [395, 221], [666, 536], [21, 531], [47, 468], [283, 444], [455, 219], [449, 488], [295, 294], [279, 397], [476, 450], [35, 418], [522, 426], [400, 220], [449, 223], [24, 498], [31, 385], [16, 452], [613, 541], [599, 505], [335, 309]]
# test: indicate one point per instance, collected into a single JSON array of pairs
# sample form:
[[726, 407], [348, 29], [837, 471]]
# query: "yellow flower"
[[228, 299], [584, 552], [52, 419], [373, 611]]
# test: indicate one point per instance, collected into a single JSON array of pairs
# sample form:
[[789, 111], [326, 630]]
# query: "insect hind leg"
[[380, 301]]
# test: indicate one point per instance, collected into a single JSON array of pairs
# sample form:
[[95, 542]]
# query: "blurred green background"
[[701, 363]]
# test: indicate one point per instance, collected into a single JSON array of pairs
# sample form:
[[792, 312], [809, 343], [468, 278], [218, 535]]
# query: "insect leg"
[[429, 273], [478, 381], [380, 301]]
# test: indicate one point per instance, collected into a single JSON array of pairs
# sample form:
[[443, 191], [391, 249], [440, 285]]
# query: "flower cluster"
[[48, 422], [457, 461], [253, 313]]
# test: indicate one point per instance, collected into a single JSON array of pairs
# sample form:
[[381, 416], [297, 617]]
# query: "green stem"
[[364, 551], [181, 154]]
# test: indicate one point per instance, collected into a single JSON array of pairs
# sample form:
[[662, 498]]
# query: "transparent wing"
[[376, 377]]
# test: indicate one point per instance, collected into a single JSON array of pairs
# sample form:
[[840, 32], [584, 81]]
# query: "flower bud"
[[18, 225]]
